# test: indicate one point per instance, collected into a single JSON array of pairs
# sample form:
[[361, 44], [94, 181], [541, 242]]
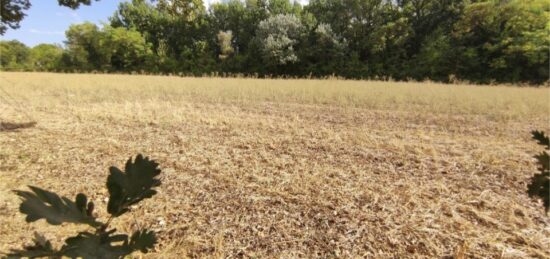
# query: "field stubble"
[[287, 168]]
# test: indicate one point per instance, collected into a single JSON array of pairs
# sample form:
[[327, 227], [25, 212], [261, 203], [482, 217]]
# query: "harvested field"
[[286, 168]]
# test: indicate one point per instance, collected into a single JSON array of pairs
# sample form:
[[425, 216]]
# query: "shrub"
[[126, 188], [540, 182]]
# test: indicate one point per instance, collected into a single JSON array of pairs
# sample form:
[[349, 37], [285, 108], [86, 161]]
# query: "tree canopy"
[[480, 41]]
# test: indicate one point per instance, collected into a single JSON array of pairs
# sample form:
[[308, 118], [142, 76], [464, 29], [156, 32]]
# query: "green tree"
[[428, 16], [177, 30], [374, 29], [480, 41], [232, 16], [188, 10], [275, 7], [225, 44], [325, 52], [153, 25], [241, 18], [188, 40], [278, 37], [12, 12], [46, 57], [126, 50], [506, 41], [14, 55], [84, 50], [436, 58], [106, 49]]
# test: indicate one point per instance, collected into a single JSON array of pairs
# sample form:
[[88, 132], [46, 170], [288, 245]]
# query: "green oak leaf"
[[42, 204], [133, 185]]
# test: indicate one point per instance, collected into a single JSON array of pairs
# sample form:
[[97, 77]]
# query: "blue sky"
[[46, 21]]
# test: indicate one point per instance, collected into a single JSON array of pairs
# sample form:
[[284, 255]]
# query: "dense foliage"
[[136, 183], [539, 188], [481, 41]]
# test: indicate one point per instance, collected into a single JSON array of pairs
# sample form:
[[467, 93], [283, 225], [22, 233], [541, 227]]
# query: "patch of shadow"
[[13, 126]]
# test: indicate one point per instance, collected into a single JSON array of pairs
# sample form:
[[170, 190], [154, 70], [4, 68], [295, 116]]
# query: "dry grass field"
[[286, 168]]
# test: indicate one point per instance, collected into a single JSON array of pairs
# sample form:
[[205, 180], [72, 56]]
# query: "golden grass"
[[287, 168]]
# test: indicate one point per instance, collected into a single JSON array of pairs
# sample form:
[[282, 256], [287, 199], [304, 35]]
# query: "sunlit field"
[[286, 168]]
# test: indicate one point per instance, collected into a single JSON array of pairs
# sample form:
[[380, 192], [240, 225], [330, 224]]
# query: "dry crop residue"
[[286, 173]]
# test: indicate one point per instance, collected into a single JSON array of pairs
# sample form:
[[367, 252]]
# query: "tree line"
[[480, 41]]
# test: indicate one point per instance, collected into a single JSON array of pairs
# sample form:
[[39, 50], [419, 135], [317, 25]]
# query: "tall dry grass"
[[499, 102]]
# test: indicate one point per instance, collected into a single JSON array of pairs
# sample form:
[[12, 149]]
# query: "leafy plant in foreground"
[[540, 183], [128, 187]]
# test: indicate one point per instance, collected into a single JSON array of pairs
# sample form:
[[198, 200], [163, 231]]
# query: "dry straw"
[[289, 168]]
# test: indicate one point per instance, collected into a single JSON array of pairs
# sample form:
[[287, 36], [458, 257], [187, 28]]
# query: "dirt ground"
[[249, 176]]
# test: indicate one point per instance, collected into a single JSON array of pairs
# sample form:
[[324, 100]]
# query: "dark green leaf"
[[74, 4], [42, 204], [40, 248], [133, 185]]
